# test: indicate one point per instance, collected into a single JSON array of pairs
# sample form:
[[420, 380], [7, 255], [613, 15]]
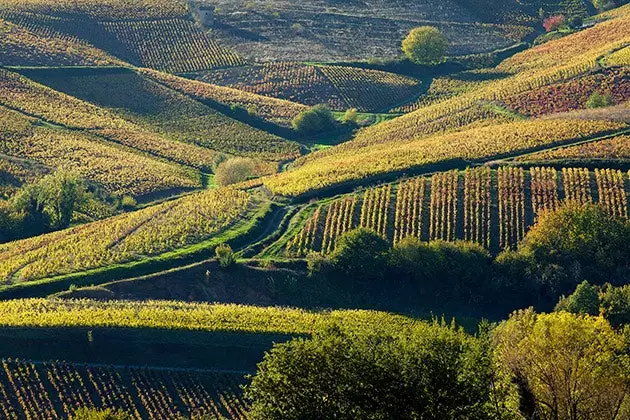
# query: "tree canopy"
[[425, 45]]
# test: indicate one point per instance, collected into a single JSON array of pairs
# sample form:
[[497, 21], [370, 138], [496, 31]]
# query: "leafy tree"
[[428, 371], [316, 120], [361, 254], [597, 100], [585, 300], [615, 304], [234, 170], [577, 242], [554, 23], [425, 45], [569, 366], [225, 255]]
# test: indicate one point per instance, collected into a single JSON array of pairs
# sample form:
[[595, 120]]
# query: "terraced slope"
[[338, 86], [402, 144], [154, 106], [494, 208], [161, 34], [354, 30]]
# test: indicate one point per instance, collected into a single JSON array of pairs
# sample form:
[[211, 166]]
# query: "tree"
[[50, 203], [597, 100], [225, 255], [569, 366], [350, 116], [577, 242], [316, 120], [233, 171], [361, 254], [425, 45], [585, 300], [554, 23], [428, 371], [615, 304]]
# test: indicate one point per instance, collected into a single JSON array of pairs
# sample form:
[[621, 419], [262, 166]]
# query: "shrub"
[[128, 202], [233, 171], [585, 300], [95, 414], [425, 45], [428, 371], [350, 116], [225, 255], [597, 100], [361, 254], [318, 119], [554, 23], [459, 270]]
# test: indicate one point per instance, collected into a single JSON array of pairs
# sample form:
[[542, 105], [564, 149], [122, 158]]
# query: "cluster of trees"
[[544, 366], [565, 247], [46, 205]]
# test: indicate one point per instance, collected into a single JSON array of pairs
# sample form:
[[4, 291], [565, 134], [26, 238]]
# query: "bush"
[[128, 203], [597, 100], [316, 120], [233, 171], [458, 270], [585, 300], [427, 371], [225, 255], [361, 254], [350, 116], [425, 45], [554, 23]]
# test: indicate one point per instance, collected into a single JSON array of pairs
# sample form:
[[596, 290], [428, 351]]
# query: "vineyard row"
[[492, 208]]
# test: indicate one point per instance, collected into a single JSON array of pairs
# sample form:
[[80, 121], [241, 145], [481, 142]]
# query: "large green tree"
[[566, 366], [361, 254], [429, 371], [425, 45]]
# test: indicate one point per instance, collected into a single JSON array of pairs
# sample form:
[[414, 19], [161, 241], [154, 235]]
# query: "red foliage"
[[574, 94], [553, 23]]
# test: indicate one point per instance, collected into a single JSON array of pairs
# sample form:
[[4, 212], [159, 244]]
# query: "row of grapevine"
[[477, 200], [57, 389], [492, 208]]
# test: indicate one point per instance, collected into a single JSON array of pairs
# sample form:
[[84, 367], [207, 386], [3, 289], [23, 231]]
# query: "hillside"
[[160, 35], [350, 31]]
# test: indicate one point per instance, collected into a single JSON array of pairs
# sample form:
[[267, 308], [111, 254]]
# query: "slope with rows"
[[340, 87], [321, 31], [494, 208]]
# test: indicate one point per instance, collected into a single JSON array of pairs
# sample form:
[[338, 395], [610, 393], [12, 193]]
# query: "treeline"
[[565, 247]]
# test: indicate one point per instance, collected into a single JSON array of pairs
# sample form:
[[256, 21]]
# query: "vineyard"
[[21, 47], [492, 208], [124, 238], [318, 171], [160, 36], [276, 110], [609, 150], [574, 94], [340, 87], [57, 389], [351, 31], [176, 116], [548, 64]]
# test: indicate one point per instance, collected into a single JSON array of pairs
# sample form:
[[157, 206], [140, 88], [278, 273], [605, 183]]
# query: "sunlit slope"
[[404, 143], [124, 238]]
